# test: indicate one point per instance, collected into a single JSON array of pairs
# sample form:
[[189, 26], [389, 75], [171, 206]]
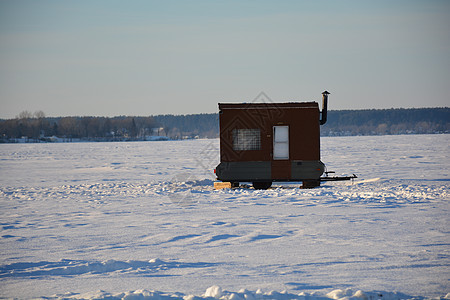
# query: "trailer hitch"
[[336, 178]]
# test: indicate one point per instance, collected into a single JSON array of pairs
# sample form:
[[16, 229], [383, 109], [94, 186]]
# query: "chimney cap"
[[326, 93]]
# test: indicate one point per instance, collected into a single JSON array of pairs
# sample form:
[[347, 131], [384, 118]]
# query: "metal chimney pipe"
[[323, 118]]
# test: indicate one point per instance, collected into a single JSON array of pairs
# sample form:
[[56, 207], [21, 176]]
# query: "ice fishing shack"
[[266, 142]]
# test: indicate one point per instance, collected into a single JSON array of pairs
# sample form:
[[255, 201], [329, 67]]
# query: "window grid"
[[246, 139]]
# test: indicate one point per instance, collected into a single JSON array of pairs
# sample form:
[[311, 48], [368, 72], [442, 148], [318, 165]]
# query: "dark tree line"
[[37, 127], [201, 125], [387, 121], [340, 122]]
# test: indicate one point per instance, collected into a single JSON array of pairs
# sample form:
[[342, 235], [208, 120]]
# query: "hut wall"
[[302, 119]]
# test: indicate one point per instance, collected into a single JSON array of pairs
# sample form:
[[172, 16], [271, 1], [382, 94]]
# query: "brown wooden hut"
[[266, 142]]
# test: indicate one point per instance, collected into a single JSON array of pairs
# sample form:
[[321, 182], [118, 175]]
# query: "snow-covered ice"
[[141, 220]]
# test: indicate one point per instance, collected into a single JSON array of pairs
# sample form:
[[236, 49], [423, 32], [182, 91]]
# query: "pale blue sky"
[[107, 58]]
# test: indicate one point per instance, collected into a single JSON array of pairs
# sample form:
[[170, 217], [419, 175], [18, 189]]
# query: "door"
[[281, 165], [280, 142]]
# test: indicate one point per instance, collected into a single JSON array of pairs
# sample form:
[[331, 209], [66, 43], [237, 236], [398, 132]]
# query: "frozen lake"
[[140, 216]]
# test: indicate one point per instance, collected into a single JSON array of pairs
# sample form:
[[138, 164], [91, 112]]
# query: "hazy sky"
[[108, 58]]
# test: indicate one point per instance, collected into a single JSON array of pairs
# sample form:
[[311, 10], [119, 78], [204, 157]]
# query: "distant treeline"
[[201, 125], [37, 127], [387, 121]]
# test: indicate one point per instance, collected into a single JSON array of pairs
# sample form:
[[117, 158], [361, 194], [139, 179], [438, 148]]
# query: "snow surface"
[[141, 220]]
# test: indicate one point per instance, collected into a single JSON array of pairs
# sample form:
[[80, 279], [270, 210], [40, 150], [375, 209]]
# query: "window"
[[280, 142], [246, 139]]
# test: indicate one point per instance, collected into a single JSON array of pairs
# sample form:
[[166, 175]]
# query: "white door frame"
[[281, 142]]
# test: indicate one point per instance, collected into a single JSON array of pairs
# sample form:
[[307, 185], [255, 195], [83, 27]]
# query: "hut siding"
[[304, 132], [251, 127]]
